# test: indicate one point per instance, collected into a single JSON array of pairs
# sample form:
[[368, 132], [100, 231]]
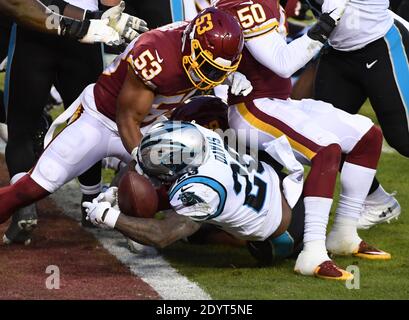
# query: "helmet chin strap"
[[187, 36]]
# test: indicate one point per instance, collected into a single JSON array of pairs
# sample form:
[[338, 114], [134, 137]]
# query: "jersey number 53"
[[148, 65]]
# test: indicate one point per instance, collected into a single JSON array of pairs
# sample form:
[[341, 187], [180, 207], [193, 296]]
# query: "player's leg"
[[361, 141], [29, 78], [403, 9], [81, 65], [339, 82], [287, 245], [311, 145], [5, 30], [81, 144], [387, 84]]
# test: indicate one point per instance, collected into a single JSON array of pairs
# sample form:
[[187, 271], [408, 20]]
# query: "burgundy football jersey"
[[156, 58], [257, 18]]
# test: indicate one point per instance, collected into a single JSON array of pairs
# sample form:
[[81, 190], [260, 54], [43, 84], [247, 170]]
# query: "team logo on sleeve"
[[189, 198]]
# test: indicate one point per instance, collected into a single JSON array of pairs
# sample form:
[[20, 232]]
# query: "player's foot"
[[310, 263], [22, 225], [353, 245], [367, 251], [84, 222], [376, 213]]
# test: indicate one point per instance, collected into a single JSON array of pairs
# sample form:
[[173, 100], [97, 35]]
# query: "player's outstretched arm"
[[157, 233], [284, 59], [153, 232], [133, 105]]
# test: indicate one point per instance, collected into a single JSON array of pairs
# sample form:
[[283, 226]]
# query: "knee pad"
[[367, 151], [272, 250]]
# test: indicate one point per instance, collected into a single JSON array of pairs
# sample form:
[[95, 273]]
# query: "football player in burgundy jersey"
[[318, 133], [158, 70]]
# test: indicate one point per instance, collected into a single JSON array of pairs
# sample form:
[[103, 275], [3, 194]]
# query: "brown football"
[[136, 196]]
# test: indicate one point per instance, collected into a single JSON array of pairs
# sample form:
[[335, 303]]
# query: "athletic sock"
[[316, 218]]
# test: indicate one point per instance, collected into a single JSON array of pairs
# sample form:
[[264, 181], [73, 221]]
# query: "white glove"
[[127, 26], [239, 85], [99, 31], [101, 213], [335, 8], [110, 196]]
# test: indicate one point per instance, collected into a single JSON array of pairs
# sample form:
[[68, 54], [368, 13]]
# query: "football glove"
[[239, 85], [101, 213], [100, 31], [129, 27], [89, 31], [332, 13], [110, 196]]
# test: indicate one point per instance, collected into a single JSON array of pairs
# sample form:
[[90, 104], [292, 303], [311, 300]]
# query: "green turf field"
[[231, 273]]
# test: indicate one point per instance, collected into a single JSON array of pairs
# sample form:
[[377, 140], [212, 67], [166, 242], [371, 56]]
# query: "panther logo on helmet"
[[212, 47]]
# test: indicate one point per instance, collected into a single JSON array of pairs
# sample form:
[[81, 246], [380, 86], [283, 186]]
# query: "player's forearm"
[[157, 233], [129, 131], [30, 13], [282, 58]]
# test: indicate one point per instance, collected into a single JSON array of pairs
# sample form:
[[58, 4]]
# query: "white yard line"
[[153, 269]]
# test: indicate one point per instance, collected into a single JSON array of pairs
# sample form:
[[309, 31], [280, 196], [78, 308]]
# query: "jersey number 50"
[[250, 15]]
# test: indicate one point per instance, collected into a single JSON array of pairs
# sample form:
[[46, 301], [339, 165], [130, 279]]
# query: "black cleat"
[[22, 225]]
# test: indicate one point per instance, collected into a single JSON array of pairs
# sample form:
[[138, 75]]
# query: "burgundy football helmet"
[[208, 111], [212, 46]]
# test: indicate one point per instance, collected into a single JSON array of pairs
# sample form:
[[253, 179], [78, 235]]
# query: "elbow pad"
[[323, 28]]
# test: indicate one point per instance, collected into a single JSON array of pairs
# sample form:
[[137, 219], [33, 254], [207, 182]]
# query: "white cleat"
[[376, 213], [310, 263]]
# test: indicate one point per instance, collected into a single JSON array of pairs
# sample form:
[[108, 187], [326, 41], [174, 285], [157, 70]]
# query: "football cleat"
[[367, 251], [330, 271], [22, 225], [376, 213], [313, 263]]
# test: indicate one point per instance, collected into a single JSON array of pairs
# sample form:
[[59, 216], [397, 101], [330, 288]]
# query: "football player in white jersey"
[[368, 59], [211, 183]]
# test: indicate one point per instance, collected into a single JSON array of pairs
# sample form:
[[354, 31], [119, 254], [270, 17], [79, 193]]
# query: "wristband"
[[110, 217], [71, 28], [93, 15]]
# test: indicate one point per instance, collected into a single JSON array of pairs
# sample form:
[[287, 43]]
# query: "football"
[[136, 196]]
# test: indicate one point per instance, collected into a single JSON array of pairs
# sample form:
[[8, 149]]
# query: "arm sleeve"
[[196, 201], [284, 59]]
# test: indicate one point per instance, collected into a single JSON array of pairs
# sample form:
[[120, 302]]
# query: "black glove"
[[323, 28]]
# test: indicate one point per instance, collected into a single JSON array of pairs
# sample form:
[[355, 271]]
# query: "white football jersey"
[[242, 200], [363, 22], [84, 4]]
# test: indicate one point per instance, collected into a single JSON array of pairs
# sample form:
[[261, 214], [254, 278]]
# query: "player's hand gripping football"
[[101, 213], [239, 85], [129, 27]]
